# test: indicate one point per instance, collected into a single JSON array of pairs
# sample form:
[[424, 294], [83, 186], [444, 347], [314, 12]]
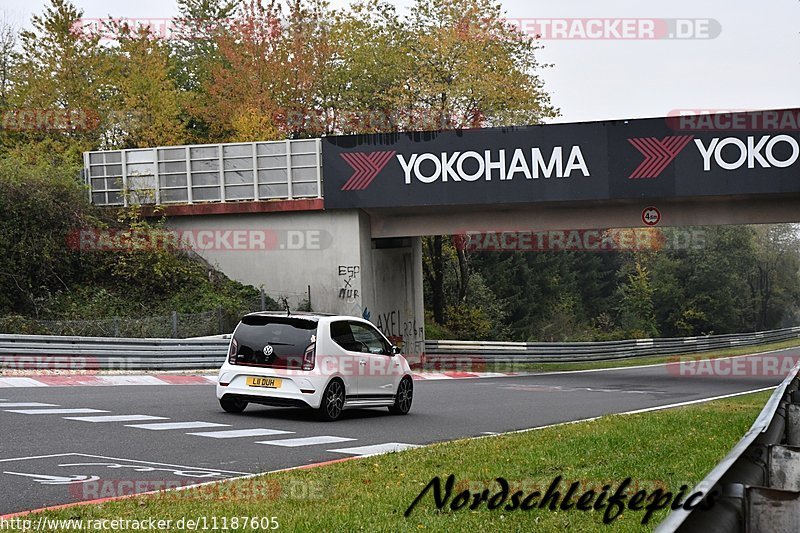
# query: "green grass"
[[636, 361], [660, 449]]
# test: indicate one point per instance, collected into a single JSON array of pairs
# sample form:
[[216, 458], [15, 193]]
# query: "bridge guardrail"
[[59, 352]]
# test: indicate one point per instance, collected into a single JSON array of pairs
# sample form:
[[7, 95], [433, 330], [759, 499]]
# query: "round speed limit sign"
[[651, 216]]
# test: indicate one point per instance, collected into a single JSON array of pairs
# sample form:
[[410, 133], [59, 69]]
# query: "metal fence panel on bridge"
[[274, 170]]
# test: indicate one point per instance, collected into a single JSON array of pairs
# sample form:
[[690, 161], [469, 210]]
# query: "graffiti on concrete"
[[347, 277]]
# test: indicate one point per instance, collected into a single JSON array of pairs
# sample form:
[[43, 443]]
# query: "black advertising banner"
[[745, 153]]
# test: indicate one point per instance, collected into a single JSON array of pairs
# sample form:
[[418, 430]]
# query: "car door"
[[346, 363], [375, 362]]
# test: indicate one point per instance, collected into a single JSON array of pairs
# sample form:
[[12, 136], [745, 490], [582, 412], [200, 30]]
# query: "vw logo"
[[268, 350]]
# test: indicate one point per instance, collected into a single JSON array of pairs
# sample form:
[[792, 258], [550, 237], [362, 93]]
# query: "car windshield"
[[277, 342]]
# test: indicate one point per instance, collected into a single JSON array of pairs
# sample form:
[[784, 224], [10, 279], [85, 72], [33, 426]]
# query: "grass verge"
[[664, 449]]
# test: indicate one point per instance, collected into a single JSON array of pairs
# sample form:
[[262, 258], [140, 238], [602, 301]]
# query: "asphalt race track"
[[64, 452]]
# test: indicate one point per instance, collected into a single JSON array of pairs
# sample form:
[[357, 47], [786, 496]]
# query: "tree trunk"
[[436, 277], [463, 278]]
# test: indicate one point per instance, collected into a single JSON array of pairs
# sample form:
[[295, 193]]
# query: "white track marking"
[[36, 457], [177, 425], [29, 404], [626, 413], [376, 449], [54, 411], [236, 433], [115, 418], [305, 441]]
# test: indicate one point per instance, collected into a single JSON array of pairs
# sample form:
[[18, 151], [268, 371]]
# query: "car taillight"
[[232, 352], [309, 357]]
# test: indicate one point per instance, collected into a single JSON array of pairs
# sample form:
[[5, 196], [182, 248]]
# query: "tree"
[[471, 68], [8, 58], [636, 308], [241, 95], [433, 269], [194, 43], [773, 280], [369, 78], [61, 70], [39, 206], [195, 53], [146, 100]]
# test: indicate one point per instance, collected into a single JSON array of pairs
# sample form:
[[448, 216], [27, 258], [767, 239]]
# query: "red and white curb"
[[196, 379]]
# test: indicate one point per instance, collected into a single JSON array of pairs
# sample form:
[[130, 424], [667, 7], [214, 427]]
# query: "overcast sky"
[[752, 64]]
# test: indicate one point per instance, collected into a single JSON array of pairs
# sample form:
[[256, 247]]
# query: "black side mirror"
[[396, 350]]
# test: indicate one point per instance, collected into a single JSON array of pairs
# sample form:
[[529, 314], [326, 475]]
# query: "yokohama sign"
[[619, 160]]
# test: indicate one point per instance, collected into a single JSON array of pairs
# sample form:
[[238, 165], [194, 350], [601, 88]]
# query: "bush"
[[44, 275]]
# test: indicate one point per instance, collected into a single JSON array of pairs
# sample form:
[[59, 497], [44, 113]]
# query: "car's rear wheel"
[[233, 405], [332, 401], [404, 397]]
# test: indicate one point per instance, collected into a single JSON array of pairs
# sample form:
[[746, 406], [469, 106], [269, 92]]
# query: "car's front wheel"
[[404, 397], [233, 405]]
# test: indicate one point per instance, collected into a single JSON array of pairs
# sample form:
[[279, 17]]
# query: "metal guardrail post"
[[156, 176], [221, 160], [793, 420], [125, 181], [289, 187], [187, 155], [319, 167], [175, 324]]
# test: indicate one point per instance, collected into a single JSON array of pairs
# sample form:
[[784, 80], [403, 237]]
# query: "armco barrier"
[[30, 352], [756, 487], [456, 353]]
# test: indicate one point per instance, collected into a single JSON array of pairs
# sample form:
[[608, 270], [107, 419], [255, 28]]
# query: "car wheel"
[[404, 397], [233, 405], [332, 401]]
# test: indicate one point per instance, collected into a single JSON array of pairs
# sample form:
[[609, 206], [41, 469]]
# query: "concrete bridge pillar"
[[330, 252]]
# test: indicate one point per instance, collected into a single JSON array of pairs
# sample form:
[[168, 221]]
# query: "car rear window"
[[289, 338]]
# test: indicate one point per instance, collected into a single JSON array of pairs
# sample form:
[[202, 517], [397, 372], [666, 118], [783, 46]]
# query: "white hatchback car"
[[328, 363]]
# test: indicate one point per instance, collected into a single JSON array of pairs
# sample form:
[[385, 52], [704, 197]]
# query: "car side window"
[[343, 336], [369, 340]]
